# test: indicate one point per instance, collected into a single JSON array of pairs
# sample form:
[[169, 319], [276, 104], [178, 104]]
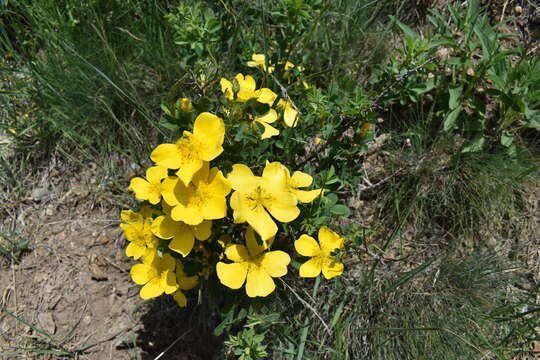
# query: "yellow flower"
[[298, 180], [184, 283], [203, 199], [290, 115], [246, 90], [183, 236], [318, 141], [321, 258], [157, 276], [253, 266], [191, 150], [149, 189], [142, 243], [259, 60], [254, 196]]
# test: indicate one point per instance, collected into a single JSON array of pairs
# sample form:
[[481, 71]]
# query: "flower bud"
[[185, 105]]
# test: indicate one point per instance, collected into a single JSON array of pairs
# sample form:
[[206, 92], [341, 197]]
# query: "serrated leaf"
[[450, 121]]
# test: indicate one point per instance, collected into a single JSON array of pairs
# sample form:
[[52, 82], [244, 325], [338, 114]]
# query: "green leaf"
[[450, 121], [485, 40], [455, 94], [475, 145], [406, 30], [340, 210], [473, 10], [533, 118], [506, 139]]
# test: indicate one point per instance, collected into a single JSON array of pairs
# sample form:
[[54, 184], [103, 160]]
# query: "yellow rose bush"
[[223, 202]]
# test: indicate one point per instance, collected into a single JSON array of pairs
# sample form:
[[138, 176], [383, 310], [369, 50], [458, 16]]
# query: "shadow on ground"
[[181, 333]]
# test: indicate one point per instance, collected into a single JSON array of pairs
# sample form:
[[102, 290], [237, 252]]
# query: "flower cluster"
[[183, 231]]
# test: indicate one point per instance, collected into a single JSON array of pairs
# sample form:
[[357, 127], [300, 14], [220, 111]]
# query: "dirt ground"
[[71, 292]]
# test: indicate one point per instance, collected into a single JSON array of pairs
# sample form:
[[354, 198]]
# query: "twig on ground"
[[173, 343]]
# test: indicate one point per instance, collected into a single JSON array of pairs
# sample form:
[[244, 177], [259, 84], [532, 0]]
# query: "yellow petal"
[[142, 273], [247, 83], [183, 242], [141, 188], [232, 275], [290, 116], [167, 155], [209, 131], [311, 268], [215, 208], [266, 96], [187, 282], [203, 230], [288, 65], [259, 59], [300, 179], [331, 268], [227, 88], [270, 117], [155, 174], [189, 215], [167, 263], [269, 130], [151, 289], [219, 185], [202, 174], [329, 240], [237, 253], [164, 227], [242, 179], [128, 216], [135, 250], [283, 209], [189, 167], [253, 246], [168, 282], [275, 176], [237, 203], [168, 191], [307, 246], [180, 298], [307, 196], [259, 283], [275, 263], [261, 222]]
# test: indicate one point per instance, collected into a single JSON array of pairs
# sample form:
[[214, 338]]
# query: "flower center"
[[259, 196]]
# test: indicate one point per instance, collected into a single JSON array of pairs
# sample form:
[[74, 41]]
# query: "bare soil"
[[70, 293]]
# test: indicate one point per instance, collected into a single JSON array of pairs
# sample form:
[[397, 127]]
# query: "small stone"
[[97, 273], [47, 322], [39, 194]]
